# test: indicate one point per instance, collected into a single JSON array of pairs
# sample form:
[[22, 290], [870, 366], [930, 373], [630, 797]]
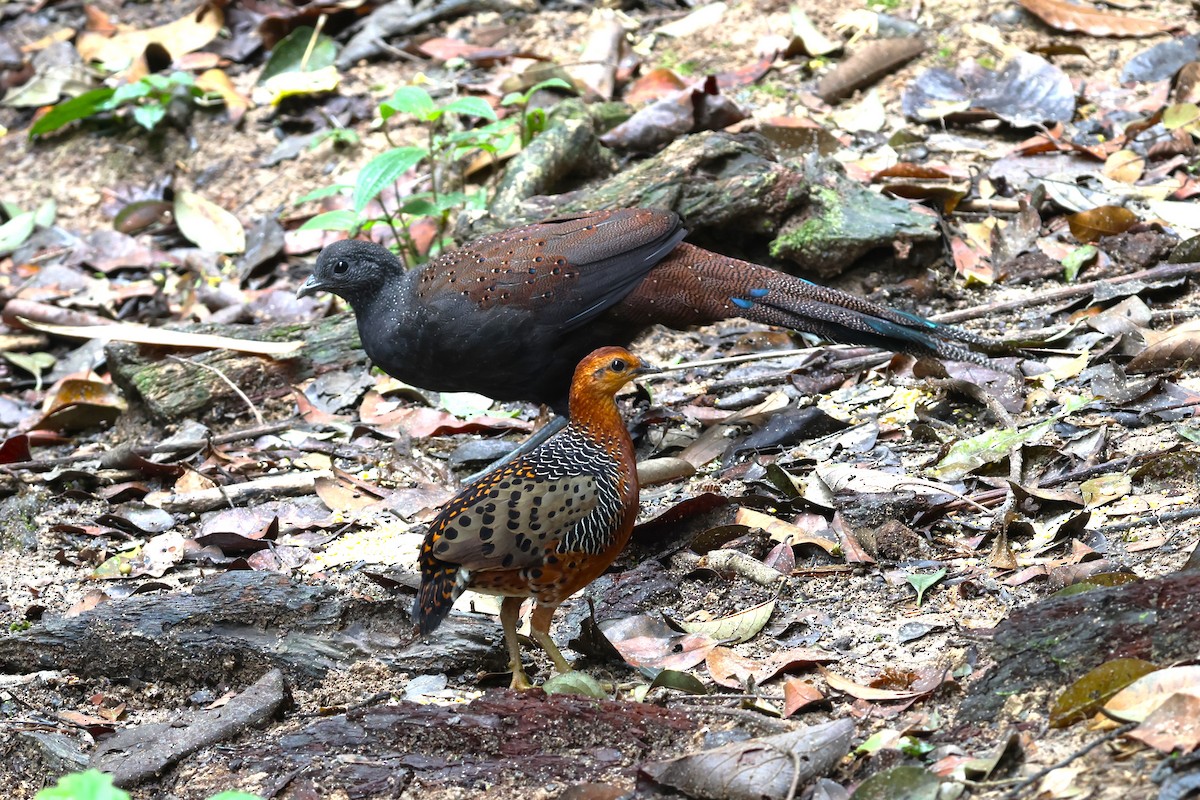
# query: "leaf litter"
[[808, 506]]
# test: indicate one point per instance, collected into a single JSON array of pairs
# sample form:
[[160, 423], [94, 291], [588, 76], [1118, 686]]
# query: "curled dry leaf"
[[738, 627], [188, 33], [1068, 16], [862, 692], [754, 769], [782, 531], [734, 671]]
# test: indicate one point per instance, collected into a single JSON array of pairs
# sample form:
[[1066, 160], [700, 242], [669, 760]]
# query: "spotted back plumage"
[[540, 524]]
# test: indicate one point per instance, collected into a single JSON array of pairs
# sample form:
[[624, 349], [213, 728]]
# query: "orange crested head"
[[601, 375]]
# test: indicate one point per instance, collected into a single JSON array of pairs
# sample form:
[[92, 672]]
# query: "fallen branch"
[[1160, 273]]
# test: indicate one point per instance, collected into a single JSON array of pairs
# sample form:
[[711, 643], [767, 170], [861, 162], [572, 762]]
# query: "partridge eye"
[[340, 268], [617, 365]]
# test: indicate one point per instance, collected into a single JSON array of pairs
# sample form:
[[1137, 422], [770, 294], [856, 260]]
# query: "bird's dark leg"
[[556, 424], [510, 612], [539, 629]]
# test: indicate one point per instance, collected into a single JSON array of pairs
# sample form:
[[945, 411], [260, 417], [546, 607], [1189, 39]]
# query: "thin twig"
[[717, 362], [157, 449], [1037, 776], [253, 409], [1160, 273]]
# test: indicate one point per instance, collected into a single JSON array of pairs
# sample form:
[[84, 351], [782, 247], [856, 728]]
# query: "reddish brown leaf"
[[1066, 16], [798, 694], [654, 85]]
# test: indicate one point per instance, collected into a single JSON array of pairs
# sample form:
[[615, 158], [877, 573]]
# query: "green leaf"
[[679, 681], [382, 171], [327, 191], [33, 363], [575, 682], [130, 91], [410, 100], [899, 783], [14, 232], [90, 785], [149, 115], [288, 54], [470, 106], [522, 98], [342, 219], [922, 582], [1081, 699], [85, 105], [44, 216], [1077, 259], [420, 207]]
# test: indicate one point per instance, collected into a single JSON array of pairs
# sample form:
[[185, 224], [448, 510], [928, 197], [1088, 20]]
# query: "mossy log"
[[201, 384]]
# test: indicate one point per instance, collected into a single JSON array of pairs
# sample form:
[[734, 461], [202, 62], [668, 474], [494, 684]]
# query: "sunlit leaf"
[[208, 225]]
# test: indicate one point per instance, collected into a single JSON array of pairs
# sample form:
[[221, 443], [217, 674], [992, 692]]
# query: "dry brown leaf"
[[1096, 223], [1136, 702], [188, 33], [1125, 166], [216, 81], [1175, 725], [1066, 16], [861, 692], [782, 531], [732, 670], [1177, 347], [798, 694]]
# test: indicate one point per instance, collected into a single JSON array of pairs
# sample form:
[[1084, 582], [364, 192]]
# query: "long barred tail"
[[441, 585], [706, 287]]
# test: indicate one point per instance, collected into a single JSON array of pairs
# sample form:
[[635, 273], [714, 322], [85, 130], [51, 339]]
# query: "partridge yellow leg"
[[539, 629], [510, 612]]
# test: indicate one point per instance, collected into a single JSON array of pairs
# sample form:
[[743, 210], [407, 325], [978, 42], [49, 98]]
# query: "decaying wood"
[[236, 626], [172, 390], [402, 748], [1048, 645], [144, 751]]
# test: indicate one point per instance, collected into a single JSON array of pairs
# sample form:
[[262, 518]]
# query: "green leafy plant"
[[532, 121], [448, 143], [96, 785], [146, 102]]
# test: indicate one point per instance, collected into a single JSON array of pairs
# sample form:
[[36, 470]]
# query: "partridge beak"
[[646, 369], [311, 286]]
